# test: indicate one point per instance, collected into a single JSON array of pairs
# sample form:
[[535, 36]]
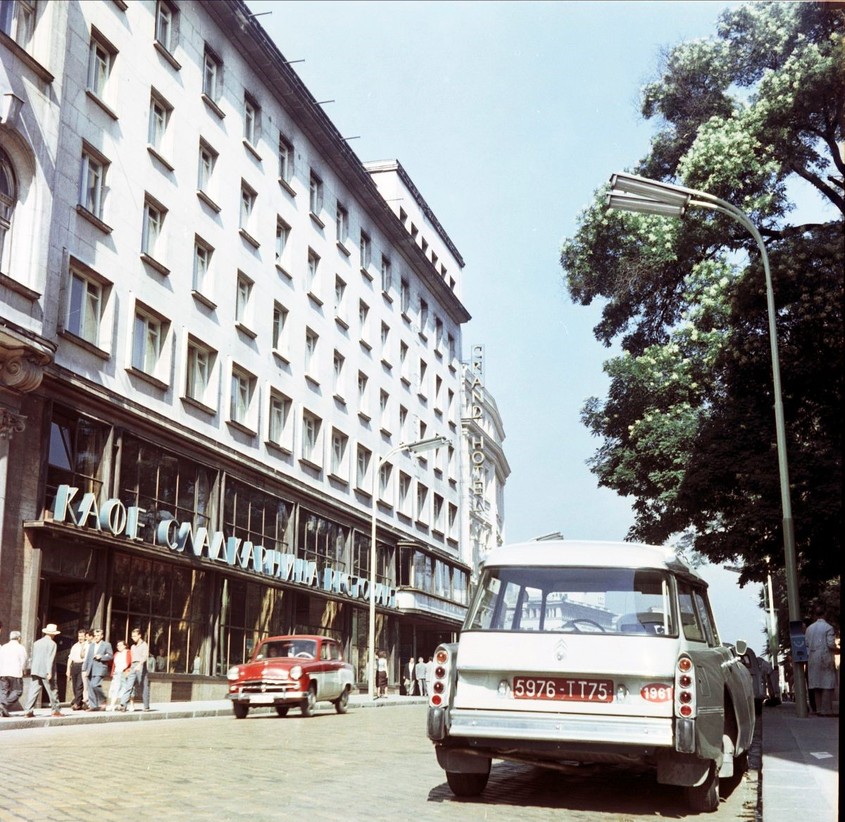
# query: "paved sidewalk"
[[800, 766], [177, 710]]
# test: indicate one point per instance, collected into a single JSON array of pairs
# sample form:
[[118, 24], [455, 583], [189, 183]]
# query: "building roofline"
[[381, 166]]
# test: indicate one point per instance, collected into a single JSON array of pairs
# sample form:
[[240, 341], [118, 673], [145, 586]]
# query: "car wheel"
[[240, 710], [282, 710], [704, 798], [467, 784], [341, 705], [309, 703]]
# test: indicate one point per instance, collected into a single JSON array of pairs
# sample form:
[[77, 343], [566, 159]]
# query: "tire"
[[341, 704], [704, 798], [308, 704], [467, 784], [240, 710], [282, 710]]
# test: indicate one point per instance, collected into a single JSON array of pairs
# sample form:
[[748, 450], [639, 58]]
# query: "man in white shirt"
[[138, 675], [12, 664]]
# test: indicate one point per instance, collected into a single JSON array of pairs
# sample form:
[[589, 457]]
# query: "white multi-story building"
[[215, 335]]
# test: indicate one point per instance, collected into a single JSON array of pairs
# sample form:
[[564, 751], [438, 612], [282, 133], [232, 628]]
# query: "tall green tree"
[[687, 426]]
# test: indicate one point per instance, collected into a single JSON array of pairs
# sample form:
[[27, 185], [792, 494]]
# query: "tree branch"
[[837, 199]]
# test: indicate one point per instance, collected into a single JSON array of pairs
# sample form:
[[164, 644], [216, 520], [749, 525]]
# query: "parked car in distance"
[[591, 653], [284, 671]]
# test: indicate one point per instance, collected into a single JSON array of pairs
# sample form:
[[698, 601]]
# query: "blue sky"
[[507, 116]]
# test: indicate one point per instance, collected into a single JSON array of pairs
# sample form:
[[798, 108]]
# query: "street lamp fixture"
[[417, 447], [639, 194]]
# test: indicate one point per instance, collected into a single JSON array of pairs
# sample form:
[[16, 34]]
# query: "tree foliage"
[[687, 427]]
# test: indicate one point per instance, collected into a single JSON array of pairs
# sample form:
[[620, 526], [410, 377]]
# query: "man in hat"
[[42, 668], [12, 663]]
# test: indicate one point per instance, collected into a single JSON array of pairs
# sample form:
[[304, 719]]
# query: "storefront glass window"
[[167, 486], [256, 517], [249, 612], [167, 602], [385, 559], [77, 452], [423, 572], [322, 541]]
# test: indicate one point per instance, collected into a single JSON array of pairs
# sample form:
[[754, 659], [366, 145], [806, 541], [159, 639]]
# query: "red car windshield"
[[296, 649]]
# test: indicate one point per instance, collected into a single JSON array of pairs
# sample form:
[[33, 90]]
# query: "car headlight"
[[233, 673], [295, 672]]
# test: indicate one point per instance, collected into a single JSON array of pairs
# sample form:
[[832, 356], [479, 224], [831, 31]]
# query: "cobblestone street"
[[372, 764]]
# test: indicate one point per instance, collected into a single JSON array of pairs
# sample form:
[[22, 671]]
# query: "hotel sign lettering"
[[119, 520]]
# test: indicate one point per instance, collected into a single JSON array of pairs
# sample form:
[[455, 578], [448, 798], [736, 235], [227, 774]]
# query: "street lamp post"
[[412, 448], [639, 194]]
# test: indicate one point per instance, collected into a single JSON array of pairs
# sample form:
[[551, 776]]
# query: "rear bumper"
[[641, 731]]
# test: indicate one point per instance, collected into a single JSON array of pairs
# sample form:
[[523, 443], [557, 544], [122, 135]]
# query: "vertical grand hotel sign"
[[476, 451]]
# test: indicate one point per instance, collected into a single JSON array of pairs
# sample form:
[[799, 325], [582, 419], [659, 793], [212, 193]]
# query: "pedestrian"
[[381, 675], [75, 661], [12, 664], [429, 674], [97, 661], [411, 677], [89, 638], [821, 669], [419, 672], [119, 669], [42, 669], [138, 676]]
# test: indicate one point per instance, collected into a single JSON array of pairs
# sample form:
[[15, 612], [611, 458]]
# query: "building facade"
[[214, 329], [485, 465]]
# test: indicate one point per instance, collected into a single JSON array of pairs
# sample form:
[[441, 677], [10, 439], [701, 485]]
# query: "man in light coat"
[[821, 669], [12, 664], [42, 668]]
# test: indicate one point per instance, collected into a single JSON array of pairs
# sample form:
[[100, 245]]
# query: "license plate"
[[261, 699], [563, 688]]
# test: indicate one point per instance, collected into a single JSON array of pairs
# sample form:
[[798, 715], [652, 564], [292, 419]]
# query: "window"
[[438, 392], [404, 295], [240, 398], [160, 111], [404, 363], [212, 75], [385, 344], [423, 316], [311, 339], [252, 121], [248, 197], [340, 300], [363, 457], [166, 17], [315, 201], [8, 200], [422, 503], [243, 294], [199, 369], [340, 445], [202, 264], [384, 485], [85, 307], [312, 272], [17, 19], [92, 182], [438, 334], [154, 214], [364, 322], [404, 494], [285, 159], [386, 275], [342, 224], [280, 321], [337, 375], [365, 248], [403, 424], [422, 387], [205, 167], [282, 237], [363, 395], [384, 410], [147, 340], [452, 349], [278, 428], [437, 513], [101, 56], [311, 426]]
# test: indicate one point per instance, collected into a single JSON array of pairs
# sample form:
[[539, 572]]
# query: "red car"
[[299, 670]]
